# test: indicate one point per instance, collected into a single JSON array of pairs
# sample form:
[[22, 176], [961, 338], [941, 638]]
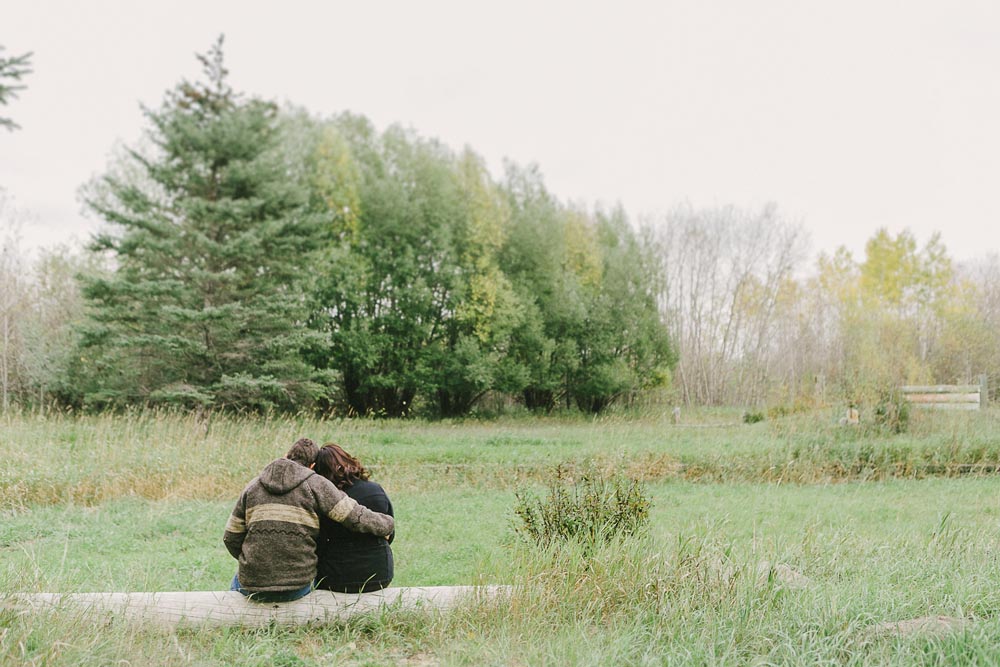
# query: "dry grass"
[[138, 503]]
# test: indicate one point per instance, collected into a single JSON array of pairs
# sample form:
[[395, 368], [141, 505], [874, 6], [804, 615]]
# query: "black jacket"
[[352, 562]]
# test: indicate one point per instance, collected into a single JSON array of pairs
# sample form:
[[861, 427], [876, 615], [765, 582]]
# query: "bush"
[[591, 509], [780, 410], [892, 412], [753, 417]]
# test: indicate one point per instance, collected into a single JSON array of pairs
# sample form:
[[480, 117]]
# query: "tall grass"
[[696, 598], [137, 502], [63, 459]]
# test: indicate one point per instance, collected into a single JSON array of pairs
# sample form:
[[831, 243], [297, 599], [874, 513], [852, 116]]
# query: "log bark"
[[229, 608]]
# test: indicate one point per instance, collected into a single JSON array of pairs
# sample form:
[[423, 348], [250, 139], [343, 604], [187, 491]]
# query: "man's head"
[[303, 451]]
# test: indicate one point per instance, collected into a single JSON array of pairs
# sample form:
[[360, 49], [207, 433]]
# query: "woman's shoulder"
[[365, 487], [371, 495]]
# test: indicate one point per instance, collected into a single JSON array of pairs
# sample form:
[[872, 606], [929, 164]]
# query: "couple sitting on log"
[[311, 520]]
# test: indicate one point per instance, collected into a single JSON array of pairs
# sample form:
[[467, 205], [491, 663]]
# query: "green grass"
[[88, 460], [139, 503]]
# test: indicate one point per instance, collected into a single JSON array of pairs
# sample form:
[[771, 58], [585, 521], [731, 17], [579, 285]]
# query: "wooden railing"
[[948, 396]]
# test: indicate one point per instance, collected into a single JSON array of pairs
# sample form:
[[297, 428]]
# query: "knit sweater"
[[273, 528]]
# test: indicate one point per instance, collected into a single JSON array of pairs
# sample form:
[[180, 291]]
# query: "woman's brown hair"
[[338, 466]]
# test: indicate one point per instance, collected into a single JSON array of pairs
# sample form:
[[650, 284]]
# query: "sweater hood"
[[283, 475]]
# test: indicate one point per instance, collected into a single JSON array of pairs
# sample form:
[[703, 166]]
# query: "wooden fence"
[[948, 396]]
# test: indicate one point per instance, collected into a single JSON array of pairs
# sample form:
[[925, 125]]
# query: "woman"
[[352, 562]]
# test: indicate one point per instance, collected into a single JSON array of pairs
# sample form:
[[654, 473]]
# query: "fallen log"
[[229, 608], [931, 625]]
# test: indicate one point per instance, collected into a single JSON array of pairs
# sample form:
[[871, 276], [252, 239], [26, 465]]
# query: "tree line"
[[264, 259], [755, 325], [254, 258]]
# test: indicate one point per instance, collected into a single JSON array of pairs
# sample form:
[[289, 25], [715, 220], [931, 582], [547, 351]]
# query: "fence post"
[[984, 391]]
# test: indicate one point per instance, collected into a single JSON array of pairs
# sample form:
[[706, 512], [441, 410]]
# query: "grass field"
[[885, 528]]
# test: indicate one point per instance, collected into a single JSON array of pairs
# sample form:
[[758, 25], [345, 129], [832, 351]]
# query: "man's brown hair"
[[303, 451]]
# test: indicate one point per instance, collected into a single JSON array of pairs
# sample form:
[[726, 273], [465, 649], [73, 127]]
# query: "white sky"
[[850, 114]]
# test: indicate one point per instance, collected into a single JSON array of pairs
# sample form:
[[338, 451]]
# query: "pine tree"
[[211, 248], [12, 71]]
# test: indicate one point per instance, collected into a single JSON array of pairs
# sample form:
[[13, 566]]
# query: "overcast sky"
[[850, 114]]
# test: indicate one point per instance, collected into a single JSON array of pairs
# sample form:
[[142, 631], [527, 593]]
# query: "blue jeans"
[[270, 596]]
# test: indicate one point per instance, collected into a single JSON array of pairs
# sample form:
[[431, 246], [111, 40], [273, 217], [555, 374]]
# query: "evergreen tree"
[[12, 71], [212, 251]]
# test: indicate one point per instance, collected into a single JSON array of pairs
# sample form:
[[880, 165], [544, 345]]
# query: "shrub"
[[753, 417], [892, 412], [590, 509]]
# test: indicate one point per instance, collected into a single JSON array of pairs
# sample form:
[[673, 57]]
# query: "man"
[[273, 528]]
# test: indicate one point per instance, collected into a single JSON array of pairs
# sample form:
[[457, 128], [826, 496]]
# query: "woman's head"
[[338, 466]]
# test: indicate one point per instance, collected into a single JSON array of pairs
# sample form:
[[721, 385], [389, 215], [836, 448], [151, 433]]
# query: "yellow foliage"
[[583, 253], [335, 180], [489, 215]]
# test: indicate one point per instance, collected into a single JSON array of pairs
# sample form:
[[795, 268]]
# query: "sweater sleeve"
[[236, 528], [392, 535], [378, 501], [345, 510]]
